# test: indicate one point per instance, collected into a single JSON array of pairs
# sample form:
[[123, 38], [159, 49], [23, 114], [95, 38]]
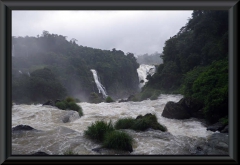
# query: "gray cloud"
[[138, 32]]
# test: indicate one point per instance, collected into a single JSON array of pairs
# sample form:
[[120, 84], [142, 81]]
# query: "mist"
[[138, 32]]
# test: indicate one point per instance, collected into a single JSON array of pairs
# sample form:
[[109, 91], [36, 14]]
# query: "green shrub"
[[80, 112], [73, 106], [69, 105], [189, 78], [141, 123], [109, 99], [211, 87], [70, 99], [118, 140], [124, 123], [224, 120], [61, 105], [98, 129]]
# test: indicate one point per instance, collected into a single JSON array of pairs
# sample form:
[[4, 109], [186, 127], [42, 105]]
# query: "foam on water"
[[180, 136]]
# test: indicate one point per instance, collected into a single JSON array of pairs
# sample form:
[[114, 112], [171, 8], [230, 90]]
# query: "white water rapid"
[[56, 137], [143, 71], [100, 87]]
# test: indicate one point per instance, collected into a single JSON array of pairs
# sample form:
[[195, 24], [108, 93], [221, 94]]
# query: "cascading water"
[[143, 71], [100, 87], [56, 137]]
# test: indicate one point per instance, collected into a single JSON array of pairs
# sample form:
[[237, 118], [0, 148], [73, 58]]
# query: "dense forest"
[[51, 67], [195, 63]]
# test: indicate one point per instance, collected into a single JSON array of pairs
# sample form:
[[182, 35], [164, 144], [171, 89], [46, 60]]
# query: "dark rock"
[[22, 128], [216, 144], [130, 98], [95, 98], [56, 101], [40, 153], [98, 149], [175, 111], [225, 129], [139, 117], [145, 116], [193, 106], [129, 148], [216, 127], [65, 119], [49, 102], [70, 116]]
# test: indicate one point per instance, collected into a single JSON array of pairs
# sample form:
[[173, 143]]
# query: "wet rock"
[[217, 144], [97, 149], [193, 106], [40, 153], [129, 148], [22, 128], [95, 98], [49, 102], [225, 129], [216, 127], [65, 119], [56, 101], [175, 111], [70, 116], [130, 98]]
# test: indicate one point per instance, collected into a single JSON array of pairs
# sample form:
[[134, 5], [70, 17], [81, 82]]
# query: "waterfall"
[[100, 87], [143, 71]]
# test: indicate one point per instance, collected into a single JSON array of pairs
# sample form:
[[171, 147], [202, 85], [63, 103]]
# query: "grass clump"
[[98, 130], [70, 99], [118, 140], [69, 103], [141, 123], [109, 99], [61, 105], [124, 123]]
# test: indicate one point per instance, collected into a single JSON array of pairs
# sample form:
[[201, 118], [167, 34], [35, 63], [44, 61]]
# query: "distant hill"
[[70, 64]]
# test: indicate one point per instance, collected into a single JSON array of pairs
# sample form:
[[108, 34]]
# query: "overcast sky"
[[138, 32]]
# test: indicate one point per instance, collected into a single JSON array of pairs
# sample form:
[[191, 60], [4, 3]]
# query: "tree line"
[[69, 65], [195, 63]]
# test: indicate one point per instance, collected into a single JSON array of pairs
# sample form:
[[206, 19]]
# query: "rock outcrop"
[[184, 109], [174, 110], [216, 144], [217, 127], [22, 128]]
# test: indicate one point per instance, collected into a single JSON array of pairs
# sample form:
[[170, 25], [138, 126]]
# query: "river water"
[[56, 137]]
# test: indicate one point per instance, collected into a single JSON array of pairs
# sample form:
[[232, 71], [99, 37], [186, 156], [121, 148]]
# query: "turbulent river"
[[55, 137]]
